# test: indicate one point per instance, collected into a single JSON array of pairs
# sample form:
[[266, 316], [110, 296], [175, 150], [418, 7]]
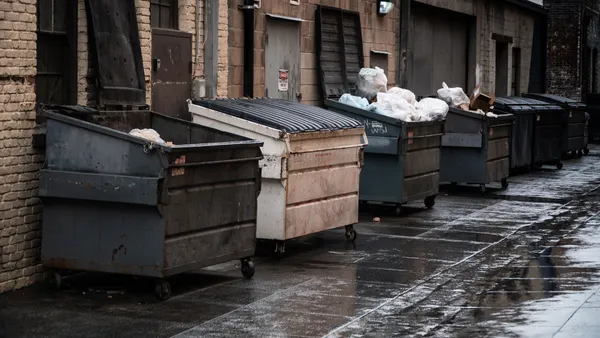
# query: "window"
[[56, 78], [516, 72], [163, 14]]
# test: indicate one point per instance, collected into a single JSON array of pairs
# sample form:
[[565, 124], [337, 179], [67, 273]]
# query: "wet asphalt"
[[520, 262]]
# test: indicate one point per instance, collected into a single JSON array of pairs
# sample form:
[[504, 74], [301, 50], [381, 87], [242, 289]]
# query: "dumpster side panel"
[[75, 148], [550, 143], [497, 170], [463, 164], [381, 178], [324, 195], [521, 153], [212, 206], [105, 237], [271, 209]]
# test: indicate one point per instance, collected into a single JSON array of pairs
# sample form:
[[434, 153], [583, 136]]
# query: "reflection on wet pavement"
[[524, 262]]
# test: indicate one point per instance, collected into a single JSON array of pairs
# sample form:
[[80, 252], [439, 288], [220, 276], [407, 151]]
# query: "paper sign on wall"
[[282, 84]]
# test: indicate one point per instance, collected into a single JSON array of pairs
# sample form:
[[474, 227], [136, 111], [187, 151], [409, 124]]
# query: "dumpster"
[[120, 204], [476, 148], [313, 159], [576, 119], [402, 161], [538, 135]]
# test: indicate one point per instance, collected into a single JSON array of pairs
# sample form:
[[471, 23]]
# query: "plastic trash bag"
[[370, 82], [147, 134], [454, 97], [431, 109], [354, 101], [404, 93], [396, 107]]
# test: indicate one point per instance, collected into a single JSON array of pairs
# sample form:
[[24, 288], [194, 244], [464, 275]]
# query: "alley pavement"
[[520, 262]]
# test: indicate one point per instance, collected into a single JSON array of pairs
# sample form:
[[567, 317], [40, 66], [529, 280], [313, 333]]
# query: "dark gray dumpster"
[[576, 119], [476, 148], [538, 135], [120, 204], [402, 160]]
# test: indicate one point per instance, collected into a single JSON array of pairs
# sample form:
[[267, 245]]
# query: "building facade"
[[573, 47]]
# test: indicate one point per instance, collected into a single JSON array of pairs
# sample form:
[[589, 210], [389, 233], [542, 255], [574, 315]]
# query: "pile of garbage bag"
[[374, 95]]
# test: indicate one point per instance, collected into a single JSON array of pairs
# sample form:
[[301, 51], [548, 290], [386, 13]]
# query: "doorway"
[[282, 59], [501, 68]]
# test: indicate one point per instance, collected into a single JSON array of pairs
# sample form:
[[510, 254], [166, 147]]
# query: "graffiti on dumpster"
[[375, 128]]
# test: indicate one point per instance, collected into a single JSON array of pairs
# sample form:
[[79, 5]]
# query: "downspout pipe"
[[248, 9]]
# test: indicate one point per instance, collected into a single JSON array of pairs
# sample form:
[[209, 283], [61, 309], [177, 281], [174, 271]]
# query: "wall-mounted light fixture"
[[384, 7]]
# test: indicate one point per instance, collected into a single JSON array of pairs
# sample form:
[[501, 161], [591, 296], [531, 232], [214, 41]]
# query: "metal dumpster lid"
[[556, 99], [538, 105], [338, 60], [117, 53], [506, 104], [284, 115]]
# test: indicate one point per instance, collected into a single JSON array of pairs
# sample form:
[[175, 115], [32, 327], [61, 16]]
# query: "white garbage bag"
[[354, 101], [370, 82], [396, 107], [431, 109], [404, 93], [147, 134], [454, 97]]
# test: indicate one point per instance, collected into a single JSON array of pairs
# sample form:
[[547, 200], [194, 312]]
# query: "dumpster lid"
[[539, 106], [509, 105], [339, 54], [117, 54], [565, 102], [284, 115]]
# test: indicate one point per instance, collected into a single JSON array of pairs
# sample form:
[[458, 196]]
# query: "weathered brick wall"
[[564, 38], [19, 208], [379, 33]]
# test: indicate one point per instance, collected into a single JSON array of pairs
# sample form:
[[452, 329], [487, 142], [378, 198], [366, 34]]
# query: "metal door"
[[171, 72], [440, 50], [282, 59]]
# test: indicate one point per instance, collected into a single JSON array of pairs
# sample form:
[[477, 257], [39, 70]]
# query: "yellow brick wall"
[[19, 207]]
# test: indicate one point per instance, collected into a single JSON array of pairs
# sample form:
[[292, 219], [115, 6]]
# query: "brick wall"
[[379, 33], [19, 208], [564, 38]]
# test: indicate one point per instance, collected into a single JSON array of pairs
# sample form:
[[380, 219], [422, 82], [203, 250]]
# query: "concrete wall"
[[500, 18], [20, 209], [379, 33]]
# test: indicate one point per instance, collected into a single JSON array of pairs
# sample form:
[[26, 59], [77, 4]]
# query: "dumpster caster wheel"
[[280, 248], [504, 183], [247, 268], [586, 151], [482, 189], [350, 233], [429, 202], [579, 153], [162, 290], [559, 165], [398, 211], [57, 280]]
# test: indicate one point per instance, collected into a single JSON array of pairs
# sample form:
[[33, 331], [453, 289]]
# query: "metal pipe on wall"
[[248, 9]]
